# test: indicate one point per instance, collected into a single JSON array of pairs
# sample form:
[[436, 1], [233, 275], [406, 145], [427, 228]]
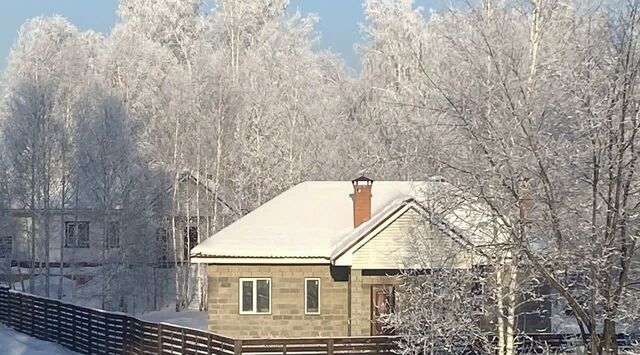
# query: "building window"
[[477, 299], [76, 235], [190, 240], [255, 296], [162, 239], [6, 247], [312, 296], [113, 235]]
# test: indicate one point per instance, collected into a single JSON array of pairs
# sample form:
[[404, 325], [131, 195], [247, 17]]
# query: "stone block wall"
[[361, 286], [287, 318]]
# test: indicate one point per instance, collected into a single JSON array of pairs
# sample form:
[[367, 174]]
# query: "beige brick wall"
[[287, 318]]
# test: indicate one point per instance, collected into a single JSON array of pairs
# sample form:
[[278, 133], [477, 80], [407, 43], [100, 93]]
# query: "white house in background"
[[320, 258], [90, 238]]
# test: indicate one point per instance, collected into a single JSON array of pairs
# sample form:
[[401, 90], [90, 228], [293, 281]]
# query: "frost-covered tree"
[[443, 300], [43, 77], [390, 142], [537, 102], [113, 180]]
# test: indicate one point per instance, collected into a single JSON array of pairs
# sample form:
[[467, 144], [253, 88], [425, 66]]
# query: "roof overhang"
[[258, 260]]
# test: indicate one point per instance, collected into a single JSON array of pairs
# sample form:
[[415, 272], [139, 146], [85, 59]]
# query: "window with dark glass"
[[312, 296], [76, 235], [247, 296], [6, 247], [113, 234], [255, 296], [190, 240], [162, 244]]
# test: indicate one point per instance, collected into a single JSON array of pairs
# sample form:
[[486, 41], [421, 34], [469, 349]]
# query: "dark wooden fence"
[[92, 331], [308, 346]]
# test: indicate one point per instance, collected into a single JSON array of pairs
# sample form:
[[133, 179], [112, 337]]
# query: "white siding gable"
[[387, 249], [390, 247]]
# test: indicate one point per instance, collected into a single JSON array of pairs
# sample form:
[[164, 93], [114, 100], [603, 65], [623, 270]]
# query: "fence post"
[[46, 320], [3, 307], [90, 330], [73, 328], [330, 346], [21, 317], [184, 343], [129, 336], [58, 326], [237, 347], [159, 338], [127, 339]]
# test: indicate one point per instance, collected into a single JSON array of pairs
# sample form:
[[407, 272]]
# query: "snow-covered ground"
[[187, 318], [87, 295], [128, 293], [14, 343]]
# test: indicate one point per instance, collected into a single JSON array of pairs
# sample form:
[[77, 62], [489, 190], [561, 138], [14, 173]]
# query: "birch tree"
[[113, 178], [51, 57], [29, 115]]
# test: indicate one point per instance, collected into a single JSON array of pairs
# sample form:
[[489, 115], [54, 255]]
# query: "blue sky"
[[338, 26]]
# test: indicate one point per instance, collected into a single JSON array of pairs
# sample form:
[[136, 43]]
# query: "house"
[[320, 258], [90, 236]]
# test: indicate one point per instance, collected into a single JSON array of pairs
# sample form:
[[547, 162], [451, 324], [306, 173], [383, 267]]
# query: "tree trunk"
[[32, 266], [47, 227], [500, 305], [63, 194], [511, 312]]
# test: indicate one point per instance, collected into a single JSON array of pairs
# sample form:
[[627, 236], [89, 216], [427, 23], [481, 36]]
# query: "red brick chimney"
[[361, 200]]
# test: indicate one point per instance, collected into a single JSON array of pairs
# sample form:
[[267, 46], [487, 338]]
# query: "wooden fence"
[[92, 331]]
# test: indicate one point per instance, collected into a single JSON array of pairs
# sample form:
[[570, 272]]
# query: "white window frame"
[[319, 295], [255, 294]]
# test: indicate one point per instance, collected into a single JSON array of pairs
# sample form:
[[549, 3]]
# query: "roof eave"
[[254, 260]]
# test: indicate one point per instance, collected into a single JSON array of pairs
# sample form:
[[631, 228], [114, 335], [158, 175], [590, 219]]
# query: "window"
[[477, 299], [113, 235], [6, 247], [312, 296], [255, 296], [76, 235], [162, 239], [190, 240]]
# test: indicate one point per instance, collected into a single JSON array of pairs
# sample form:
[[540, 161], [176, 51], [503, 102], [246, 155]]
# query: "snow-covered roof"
[[312, 220], [187, 175]]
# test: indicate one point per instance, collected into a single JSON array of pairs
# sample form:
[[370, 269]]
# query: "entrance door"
[[382, 302]]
